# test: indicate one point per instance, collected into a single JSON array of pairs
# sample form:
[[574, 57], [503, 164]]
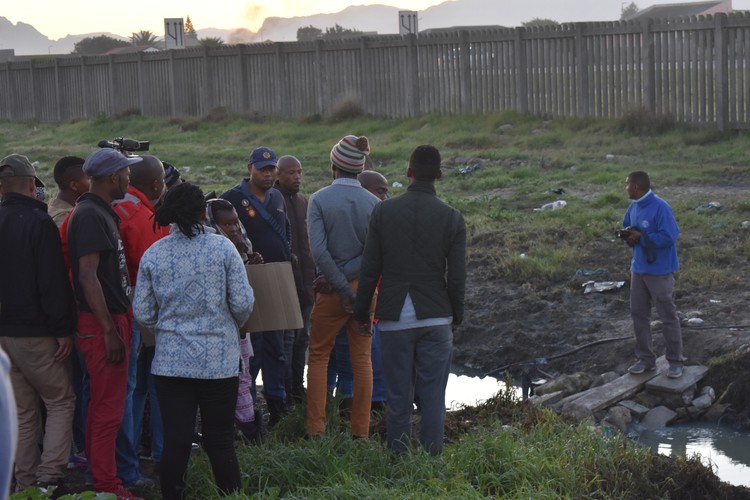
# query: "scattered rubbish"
[[714, 301], [695, 321], [713, 205], [610, 157], [746, 224], [601, 286], [506, 126], [551, 206], [397, 184], [582, 271], [468, 169], [555, 191], [522, 256]]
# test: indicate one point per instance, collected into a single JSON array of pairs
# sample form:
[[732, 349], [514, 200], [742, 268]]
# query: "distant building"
[[675, 10], [131, 50]]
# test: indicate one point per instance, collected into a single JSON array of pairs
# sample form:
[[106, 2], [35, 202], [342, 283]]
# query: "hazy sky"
[[56, 19]]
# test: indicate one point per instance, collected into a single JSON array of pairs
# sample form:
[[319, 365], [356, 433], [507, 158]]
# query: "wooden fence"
[[694, 69]]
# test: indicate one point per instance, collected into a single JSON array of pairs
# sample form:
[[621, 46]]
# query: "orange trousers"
[[327, 319]]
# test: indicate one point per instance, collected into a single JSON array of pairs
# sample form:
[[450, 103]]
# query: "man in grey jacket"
[[337, 218], [417, 244]]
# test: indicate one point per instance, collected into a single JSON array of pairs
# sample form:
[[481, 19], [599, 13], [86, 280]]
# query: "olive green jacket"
[[417, 243]]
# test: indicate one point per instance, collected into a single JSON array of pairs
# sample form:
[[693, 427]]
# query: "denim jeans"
[[268, 350], [145, 389], [340, 374], [126, 447]]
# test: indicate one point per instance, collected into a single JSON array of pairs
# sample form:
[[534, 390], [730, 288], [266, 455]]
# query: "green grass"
[[588, 158]]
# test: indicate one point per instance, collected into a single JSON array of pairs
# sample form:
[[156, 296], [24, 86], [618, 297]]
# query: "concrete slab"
[[606, 395], [638, 410], [690, 375], [547, 399], [658, 418]]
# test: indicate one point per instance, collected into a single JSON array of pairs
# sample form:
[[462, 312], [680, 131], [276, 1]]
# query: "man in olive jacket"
[[417, 244]]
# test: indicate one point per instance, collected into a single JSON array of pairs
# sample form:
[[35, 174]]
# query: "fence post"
[[412, 77], [141, 99], [647, 63], [84, 100], [58, 105], [721, 95], [282, 91], [111, 71], [582, 74], [365, 75], [170, 82], [207, 101], [241, 78], [519, 55], [320, 81], [464, 74]]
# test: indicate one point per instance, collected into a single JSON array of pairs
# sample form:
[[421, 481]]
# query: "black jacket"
[[35, 295], [304, 272], [418, 244]]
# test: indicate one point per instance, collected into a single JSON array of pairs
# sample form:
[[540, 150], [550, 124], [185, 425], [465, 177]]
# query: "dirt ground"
[[509, 323]]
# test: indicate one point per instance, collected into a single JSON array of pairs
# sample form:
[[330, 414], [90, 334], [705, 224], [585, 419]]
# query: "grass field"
[[509, 454]]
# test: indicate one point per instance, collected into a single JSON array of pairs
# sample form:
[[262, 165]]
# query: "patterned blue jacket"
[[194, 294]]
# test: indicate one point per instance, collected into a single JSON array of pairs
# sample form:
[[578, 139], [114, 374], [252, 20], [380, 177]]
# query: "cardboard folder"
[[276, 302]]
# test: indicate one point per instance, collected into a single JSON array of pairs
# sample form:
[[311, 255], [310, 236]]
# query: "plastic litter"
[[397, 184], [713, 205], [694, 321], [582, 271], [555, 191], [468, 169], [610, 157], [601, 286], [555, 205]]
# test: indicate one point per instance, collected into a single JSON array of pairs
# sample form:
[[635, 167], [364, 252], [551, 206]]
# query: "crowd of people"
[[129, 291]]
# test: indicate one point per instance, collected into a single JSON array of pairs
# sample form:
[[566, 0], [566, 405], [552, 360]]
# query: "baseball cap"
[[20, 166], [106, 161], [262, 157]]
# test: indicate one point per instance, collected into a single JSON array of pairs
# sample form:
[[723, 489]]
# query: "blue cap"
[[262, 157], [106, 161]]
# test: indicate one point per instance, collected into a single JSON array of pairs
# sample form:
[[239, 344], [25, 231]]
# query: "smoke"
[[242, 36], [255, 14]]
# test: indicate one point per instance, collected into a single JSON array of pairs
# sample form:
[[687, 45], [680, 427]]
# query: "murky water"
[[468, 387], [725, 449]]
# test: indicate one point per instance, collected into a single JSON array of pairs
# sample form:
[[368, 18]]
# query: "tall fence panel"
[[694, 69]]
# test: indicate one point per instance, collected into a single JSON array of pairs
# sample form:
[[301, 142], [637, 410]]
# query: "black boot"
[[276, 409]]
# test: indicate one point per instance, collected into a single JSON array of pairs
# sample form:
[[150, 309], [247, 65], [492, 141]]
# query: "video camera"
[[624, 234], [125, 146]]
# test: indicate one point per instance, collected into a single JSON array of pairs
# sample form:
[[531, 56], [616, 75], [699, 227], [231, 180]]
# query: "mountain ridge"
[[25, 39]]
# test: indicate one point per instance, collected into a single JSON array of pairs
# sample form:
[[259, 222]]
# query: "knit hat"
[[171, 174], [349, 154]]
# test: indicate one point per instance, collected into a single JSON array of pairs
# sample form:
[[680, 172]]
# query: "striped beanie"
[[349, 154]]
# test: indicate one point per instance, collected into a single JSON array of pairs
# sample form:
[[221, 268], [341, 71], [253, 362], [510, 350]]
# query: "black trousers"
[[179, 398]]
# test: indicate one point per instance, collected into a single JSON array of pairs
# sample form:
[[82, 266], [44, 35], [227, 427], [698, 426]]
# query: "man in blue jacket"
[[651, 231]]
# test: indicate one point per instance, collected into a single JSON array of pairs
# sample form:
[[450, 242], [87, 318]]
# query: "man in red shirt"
[[137, 231]]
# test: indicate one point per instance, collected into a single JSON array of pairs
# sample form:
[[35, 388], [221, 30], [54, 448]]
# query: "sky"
[[57, 19]]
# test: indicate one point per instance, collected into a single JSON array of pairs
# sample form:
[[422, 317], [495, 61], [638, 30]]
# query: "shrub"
[[346, 108]]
